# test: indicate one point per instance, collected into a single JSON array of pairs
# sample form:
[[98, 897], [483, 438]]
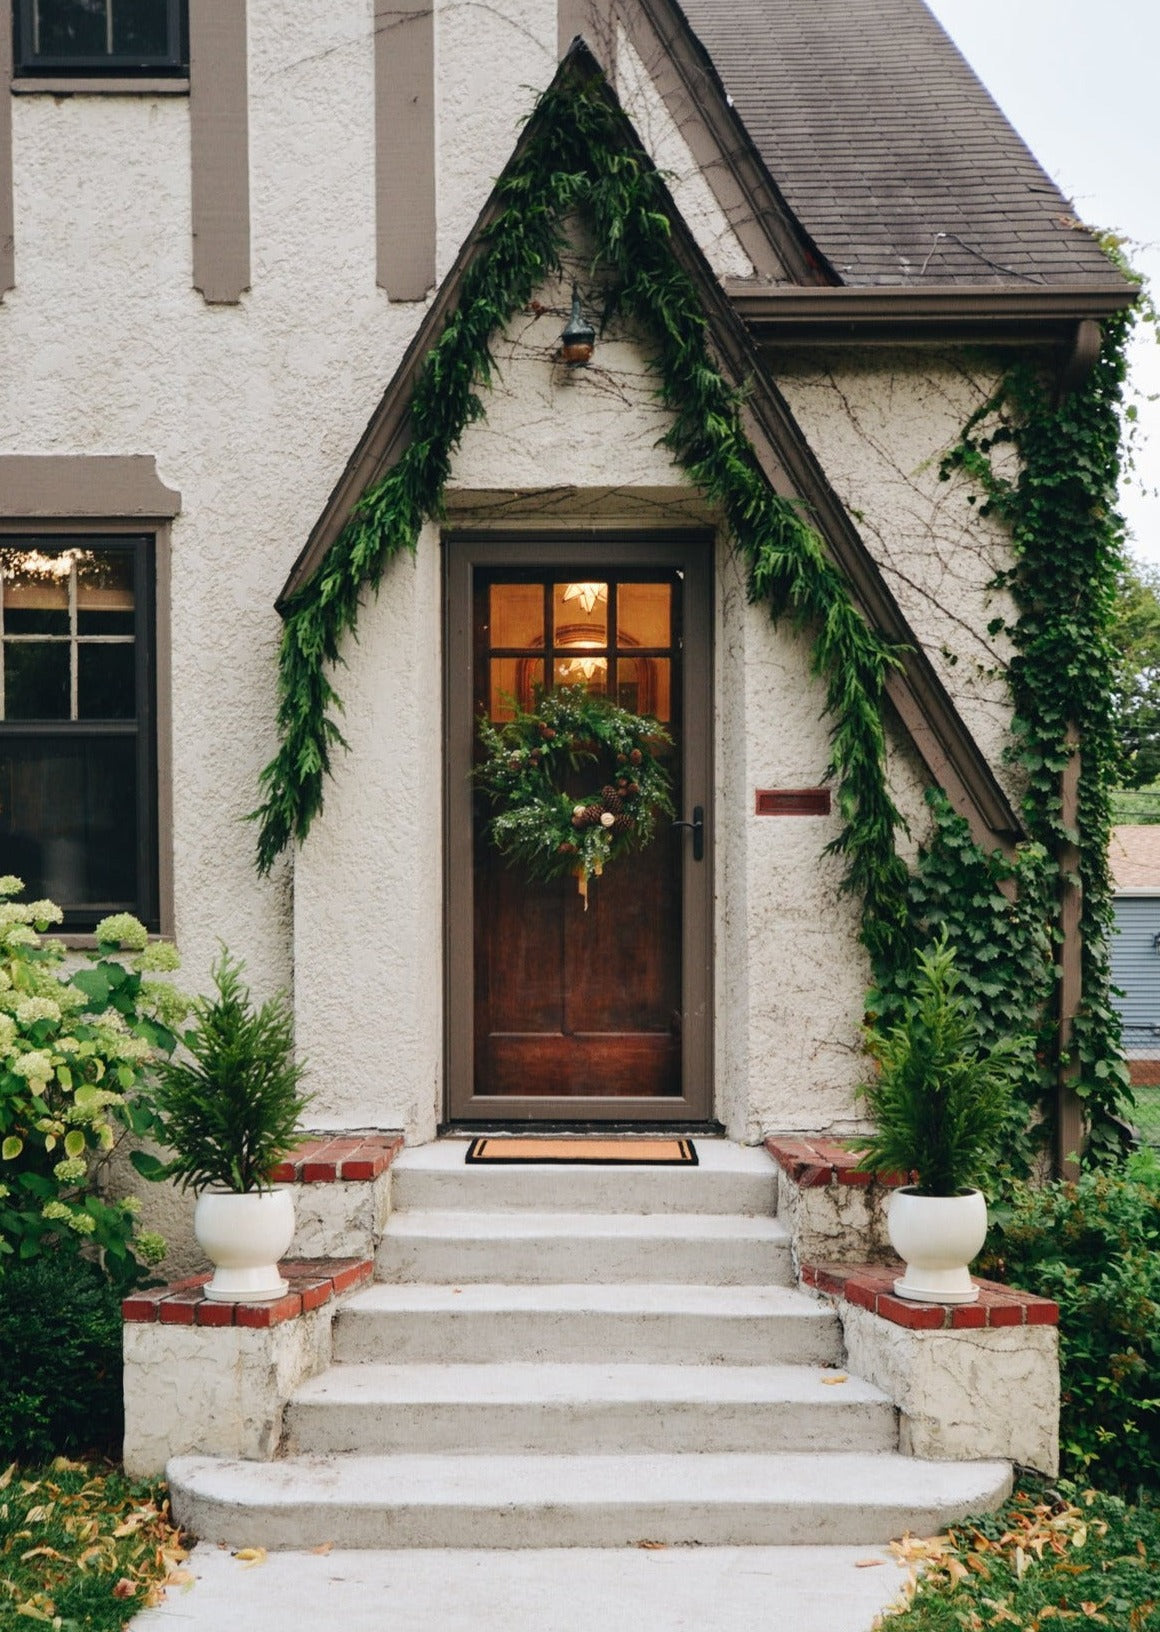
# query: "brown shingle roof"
[[888, 148], [1134, 857]]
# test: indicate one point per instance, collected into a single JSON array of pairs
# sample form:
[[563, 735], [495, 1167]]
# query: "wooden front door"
[[558, 1011]]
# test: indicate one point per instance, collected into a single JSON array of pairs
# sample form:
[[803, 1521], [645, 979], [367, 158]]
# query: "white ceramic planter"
[[937, 1237], [244, 1236]]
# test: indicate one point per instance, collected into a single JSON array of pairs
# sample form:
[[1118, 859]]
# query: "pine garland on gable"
[[578, 156]]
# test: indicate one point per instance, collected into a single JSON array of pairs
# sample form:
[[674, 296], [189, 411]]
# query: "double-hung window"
[[93, 37], [78, 806]]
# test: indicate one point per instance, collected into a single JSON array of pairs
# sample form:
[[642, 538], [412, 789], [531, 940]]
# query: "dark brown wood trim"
[[63, 486], [683, 72], [950, 753], [1069, 1129], [109, 85], [405, 148], [691, 549], [7, 217], [219, 149], [687, 82]]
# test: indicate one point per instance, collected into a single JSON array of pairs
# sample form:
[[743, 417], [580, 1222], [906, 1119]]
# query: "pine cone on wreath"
[[623, 824], [613, 801], [592, 814]]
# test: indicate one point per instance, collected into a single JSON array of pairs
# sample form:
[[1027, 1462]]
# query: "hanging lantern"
[[579, 337]]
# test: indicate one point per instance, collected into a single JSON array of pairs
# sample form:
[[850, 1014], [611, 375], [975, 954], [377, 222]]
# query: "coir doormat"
[[599, 1152]]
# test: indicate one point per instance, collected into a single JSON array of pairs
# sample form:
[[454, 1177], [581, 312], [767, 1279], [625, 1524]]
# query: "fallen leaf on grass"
[[125, 1588], [249, 1556]]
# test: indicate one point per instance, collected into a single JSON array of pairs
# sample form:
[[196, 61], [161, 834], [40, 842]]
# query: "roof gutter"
[[985, 313]]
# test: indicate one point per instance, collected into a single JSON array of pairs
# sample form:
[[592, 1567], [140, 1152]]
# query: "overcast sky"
[[1081, 84]]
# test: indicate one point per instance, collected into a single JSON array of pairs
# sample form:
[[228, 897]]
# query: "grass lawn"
[[1042, 1562], [82, 1548]]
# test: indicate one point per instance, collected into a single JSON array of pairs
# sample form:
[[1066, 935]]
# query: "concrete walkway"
[[672, 1589]]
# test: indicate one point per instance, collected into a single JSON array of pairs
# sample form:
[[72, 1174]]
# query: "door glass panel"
[[644, 686], [644, 614], [517, 615], [590, 672], [580, 614], [513, 680]]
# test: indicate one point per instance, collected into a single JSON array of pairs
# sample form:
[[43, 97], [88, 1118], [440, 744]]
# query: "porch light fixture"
[[579, 337]]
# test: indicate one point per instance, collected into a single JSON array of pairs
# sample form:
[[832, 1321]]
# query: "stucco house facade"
[[226, 248]]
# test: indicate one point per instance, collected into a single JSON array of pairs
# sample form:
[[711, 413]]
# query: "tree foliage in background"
[[1136, 634]]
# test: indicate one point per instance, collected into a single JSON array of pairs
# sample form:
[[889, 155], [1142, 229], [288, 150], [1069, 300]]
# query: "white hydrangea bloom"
[[35, 1066], [31, 1009]]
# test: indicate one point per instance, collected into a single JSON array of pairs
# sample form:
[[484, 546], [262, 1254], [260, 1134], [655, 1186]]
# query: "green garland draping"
[[578, 155]]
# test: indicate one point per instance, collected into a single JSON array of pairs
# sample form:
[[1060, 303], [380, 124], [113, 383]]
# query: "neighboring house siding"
[[1136, 971]]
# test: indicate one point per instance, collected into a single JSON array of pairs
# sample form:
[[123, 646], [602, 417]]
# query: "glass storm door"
[[557, 1010]]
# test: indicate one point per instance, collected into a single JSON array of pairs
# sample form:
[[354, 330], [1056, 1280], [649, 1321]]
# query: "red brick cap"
[[327, 1159], [871, 1286], [313, 1282], [811, 1162]]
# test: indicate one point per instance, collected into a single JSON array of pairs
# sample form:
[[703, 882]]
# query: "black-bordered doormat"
[[594, 1152]]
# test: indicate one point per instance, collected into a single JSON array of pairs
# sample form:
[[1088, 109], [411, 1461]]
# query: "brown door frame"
[[690, 551]]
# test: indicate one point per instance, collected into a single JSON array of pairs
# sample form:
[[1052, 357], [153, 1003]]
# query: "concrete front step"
[[528, 1247], [521, 1407], [576, 1501], [699, 1325], [728, 1178]]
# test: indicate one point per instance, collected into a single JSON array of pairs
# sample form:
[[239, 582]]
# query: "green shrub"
[[230, 1112], [60, 1376], [76, 1051], [942, 1096], [1094, 1246]]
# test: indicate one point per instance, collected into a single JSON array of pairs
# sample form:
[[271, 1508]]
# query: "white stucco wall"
[[252, 411], [880, 422]]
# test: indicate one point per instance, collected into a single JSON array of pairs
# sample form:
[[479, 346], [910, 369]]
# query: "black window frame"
[[146, 904], [174, 63]]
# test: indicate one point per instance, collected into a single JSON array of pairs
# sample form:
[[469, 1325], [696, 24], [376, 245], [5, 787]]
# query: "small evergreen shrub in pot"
[[230, 1114], [940, 1102]]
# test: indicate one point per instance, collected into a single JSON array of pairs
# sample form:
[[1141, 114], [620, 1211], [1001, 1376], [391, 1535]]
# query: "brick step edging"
[[811, 1162], [331, 1158], [314, 1282], [871, 1286]]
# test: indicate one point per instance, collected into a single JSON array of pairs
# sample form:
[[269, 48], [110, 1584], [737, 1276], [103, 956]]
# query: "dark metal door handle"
[[697, 828]]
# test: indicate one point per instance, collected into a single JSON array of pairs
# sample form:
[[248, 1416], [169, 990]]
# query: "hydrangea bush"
[[76, 1051]]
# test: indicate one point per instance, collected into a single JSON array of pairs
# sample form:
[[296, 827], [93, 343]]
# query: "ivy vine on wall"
[[578, 156], [1067, 538]]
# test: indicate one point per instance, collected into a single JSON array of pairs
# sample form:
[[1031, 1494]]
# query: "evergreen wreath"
[[537, 821]]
